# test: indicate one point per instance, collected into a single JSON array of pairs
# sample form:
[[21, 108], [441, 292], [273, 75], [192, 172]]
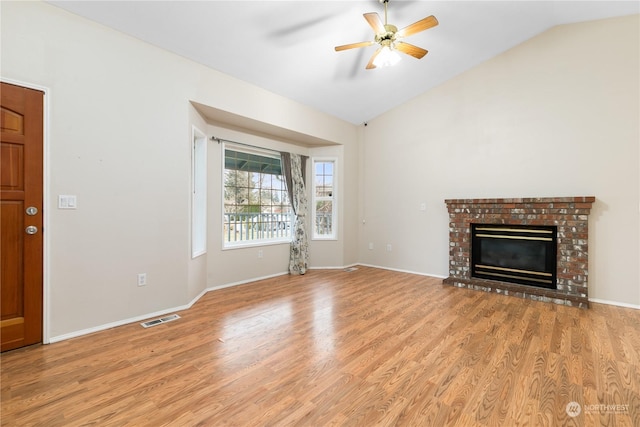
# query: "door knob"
[[32, 229]]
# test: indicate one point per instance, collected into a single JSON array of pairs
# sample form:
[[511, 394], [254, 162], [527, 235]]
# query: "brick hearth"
[[569, 214]]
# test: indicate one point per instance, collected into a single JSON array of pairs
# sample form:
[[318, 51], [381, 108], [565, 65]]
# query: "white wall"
[[556, 116], [119, 138]]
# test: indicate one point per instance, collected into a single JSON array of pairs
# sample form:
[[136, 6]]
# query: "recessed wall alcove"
[[568, 214]]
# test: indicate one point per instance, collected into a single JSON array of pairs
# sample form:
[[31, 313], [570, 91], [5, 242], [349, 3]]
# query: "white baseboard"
[[154, 314], [242, 282], [597, 301], [437, 276], [616, 303], [118, 323], [335, 268]]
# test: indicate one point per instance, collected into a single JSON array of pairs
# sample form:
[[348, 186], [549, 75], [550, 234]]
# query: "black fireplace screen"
[[515, 253]]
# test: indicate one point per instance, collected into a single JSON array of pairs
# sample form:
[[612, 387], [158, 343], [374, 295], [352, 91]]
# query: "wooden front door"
[[21, 203]]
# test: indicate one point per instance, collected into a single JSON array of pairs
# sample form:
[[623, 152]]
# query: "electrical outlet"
[[370, 246], [388, 247], [142, 279], [260, 254]]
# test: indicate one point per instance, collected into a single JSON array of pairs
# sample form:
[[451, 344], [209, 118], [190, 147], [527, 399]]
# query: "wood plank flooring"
[[362, 348]]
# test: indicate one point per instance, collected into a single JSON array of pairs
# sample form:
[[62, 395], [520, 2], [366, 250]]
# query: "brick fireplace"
[[568, 214]]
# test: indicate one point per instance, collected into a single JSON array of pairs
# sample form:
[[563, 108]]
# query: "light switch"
[[67, 201]]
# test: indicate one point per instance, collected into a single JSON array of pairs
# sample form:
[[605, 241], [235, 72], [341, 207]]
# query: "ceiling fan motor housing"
[[389, 36]]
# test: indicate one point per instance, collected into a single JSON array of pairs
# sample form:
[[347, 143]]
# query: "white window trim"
[[198, 193], [334, 198], [249, 243]]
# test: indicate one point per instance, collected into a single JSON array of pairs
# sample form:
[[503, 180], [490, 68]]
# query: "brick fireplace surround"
[[569, 214]]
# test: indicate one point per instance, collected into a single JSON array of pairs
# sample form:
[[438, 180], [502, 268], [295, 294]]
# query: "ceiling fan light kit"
[[388, 37], [387, 57]]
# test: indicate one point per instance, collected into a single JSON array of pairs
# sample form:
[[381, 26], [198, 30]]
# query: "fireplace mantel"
[[569, 214]]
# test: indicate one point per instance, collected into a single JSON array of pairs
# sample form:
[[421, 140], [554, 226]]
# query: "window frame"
[[333, 198], [199, 144], [254, 242]]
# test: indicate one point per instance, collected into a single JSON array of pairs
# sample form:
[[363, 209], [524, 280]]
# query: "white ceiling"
[[287, 46]]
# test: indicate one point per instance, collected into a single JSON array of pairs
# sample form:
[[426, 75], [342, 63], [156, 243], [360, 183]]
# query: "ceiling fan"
[[390, 39]]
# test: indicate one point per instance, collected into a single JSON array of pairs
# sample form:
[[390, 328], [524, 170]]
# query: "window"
[[198, 194], [324, 199], [256, 203]]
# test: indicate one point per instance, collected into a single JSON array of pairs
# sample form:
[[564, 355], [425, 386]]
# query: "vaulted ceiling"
[[287, 47]]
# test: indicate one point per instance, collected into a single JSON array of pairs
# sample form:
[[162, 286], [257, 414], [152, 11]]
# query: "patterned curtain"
[[294, 166]]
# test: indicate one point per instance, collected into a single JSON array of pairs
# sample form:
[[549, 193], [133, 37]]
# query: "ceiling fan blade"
[[374, 20], [409, 49], [371, 65], [353, 46], [416, 27]]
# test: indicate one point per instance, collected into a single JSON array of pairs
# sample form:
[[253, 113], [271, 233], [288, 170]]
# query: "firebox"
[[524, 254]]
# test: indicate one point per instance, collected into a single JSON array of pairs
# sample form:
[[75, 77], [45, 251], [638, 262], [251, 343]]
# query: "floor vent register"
[[159, 321]]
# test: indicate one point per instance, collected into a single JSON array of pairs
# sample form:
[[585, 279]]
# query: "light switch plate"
[[67, 201]]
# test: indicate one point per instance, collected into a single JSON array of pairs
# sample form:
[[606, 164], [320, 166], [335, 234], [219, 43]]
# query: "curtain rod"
[[219, 140]]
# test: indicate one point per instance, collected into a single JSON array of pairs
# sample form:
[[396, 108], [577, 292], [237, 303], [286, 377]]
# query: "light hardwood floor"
[[369, 347]]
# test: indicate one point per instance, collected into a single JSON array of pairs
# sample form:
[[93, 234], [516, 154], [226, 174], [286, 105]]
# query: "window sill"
[[253, 244], [198, 254]]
